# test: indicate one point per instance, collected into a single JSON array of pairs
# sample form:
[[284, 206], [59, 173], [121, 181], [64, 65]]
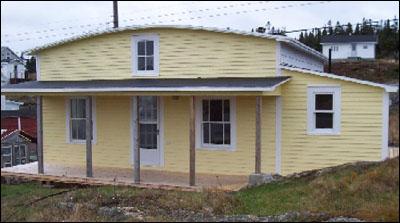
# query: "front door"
[[149, 130], [353, 50]]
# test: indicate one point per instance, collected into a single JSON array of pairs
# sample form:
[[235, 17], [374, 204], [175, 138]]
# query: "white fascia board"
[[71, 90], [387, 88], [132, 89]]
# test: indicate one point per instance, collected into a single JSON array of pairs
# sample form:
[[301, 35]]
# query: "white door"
[[149, 128], [353, 50]]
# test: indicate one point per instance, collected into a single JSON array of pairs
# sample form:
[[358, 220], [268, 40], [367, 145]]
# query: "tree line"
[[387, 32]]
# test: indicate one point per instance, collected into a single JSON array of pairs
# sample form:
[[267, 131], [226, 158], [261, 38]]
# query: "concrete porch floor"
[[155, 177]]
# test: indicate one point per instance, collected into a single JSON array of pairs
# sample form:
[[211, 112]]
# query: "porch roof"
[[260, 84]]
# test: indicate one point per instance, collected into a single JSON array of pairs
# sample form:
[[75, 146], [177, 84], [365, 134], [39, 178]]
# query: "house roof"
[[28, 125], [294, 43], [387, 88], [349, 39], [148, 85], [21, 133]]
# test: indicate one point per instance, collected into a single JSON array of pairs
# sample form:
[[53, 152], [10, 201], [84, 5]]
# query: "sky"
[[25, 25]]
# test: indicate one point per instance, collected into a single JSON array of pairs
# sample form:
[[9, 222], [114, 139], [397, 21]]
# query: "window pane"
[[81, 108], [141, 47], [227, 134], [73, 108], [205, 110], [324, 102], [149, 63], [323, 120], [141, 63], [216, 110], [148, 108], [217, 133], [149, 48], [81, 129], [6, 150], [206, 133], [148, 136], [22, 149], [74, 129], [226, 110]]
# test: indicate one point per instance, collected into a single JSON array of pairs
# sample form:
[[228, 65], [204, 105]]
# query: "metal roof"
[[349, 39], [291, 41], [139, 85]]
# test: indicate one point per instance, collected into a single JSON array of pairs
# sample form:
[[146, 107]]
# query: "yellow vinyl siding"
[[113, 146], [183, 54], [361, 125]]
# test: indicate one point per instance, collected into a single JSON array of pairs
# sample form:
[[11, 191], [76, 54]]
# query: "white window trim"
[[69, 140], [134, 60], [199, 113], [37, 67], [323, 89]]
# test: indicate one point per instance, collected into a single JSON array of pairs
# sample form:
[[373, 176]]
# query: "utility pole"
[[115, 7], [330, 61]]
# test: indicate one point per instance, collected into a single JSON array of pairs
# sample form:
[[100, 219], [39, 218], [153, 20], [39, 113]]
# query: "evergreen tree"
[[357, 30], [339, 29], [349, 29], [301, 37], [31, 65]]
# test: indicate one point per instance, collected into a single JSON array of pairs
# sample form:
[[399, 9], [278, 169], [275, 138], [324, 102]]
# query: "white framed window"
[[6, 153], [145, 55], [323, 110], [215, 123], [76, 120]]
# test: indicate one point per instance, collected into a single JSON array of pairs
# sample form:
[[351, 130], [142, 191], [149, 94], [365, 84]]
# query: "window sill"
[[145, 74], [216, 148], [80, 142], [323, 133]]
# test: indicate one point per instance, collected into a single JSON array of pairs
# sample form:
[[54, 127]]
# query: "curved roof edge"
[[387, 88], [291, 41]]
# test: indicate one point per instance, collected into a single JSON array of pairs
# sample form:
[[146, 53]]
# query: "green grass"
[[365, 191]]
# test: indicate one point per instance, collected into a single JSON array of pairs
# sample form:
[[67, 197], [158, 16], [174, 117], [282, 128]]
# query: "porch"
[[123, 176], [116, 150]]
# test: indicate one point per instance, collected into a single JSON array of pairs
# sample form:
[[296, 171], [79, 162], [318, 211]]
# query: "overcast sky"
[[25, 25]]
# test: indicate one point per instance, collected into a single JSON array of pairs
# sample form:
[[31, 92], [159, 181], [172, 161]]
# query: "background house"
[[18, 140], [345, 47]]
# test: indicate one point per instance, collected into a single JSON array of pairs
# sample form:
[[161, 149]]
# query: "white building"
[[12, 66], [345, 47]]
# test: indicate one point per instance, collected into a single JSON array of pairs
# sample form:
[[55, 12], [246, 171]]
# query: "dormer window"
[[145, 54]]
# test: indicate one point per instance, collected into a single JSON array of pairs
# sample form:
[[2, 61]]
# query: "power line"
[[190, 18]]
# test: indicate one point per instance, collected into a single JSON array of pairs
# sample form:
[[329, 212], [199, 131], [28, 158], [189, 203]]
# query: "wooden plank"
[[192, 158], [89, 165], [39, 124], [258, 135], [137, 145]]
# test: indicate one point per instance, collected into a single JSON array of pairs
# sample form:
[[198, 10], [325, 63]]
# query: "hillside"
[[365, 190], [380, 71]]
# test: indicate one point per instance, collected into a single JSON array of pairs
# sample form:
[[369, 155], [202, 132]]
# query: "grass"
[[366, 191]]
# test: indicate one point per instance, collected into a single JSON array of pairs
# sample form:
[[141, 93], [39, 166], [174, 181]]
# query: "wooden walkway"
[[10, 176]]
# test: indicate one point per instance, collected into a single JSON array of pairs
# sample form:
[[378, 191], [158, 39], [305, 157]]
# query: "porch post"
[[89, 168], [39, 126], [192, 158], [136, 164], [258, 134]]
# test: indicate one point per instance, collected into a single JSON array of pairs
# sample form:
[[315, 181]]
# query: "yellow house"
[[194, 99]]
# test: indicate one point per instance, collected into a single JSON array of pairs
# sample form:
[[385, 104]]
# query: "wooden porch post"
[[137, 145], [39, 126], [89, 127], [192, 158], [258, 134]]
